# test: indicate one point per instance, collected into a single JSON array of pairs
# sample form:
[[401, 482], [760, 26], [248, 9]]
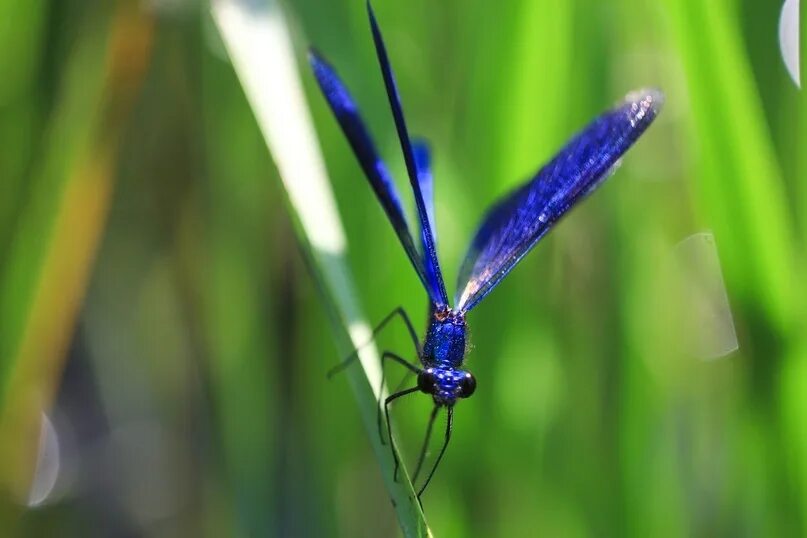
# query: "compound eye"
[[467, 385], [426, 381]]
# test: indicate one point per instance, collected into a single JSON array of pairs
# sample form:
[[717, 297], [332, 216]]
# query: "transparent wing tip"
[[647, 98]]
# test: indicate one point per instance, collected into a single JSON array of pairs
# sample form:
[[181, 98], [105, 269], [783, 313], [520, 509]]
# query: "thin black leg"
[[355, 355], [403, 362], [449, 425], [398, 387], [425, 446], [388, 401]]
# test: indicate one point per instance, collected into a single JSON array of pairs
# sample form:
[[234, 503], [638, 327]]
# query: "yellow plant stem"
[[66, 264]]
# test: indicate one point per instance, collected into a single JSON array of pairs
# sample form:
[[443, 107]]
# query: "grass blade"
[[49, 260], [259, 45]]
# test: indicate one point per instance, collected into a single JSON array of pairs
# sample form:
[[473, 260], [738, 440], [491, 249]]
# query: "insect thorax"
[[445, 339]]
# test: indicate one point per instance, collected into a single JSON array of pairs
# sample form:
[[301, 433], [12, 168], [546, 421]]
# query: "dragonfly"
[[508, 231]]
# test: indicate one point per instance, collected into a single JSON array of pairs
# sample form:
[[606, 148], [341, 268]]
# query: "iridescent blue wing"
[[353, 127], [426, 182], [437, 289], [420, 148], [517, 222]]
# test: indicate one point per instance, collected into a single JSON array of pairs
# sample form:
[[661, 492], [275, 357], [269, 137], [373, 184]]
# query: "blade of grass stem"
[[50, 258], [259, 45]]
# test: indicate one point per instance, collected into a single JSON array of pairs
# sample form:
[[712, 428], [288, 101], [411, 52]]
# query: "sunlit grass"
[[219, 279]]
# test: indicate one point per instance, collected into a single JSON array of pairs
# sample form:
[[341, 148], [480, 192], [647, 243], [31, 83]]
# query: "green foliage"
[[210, 312]]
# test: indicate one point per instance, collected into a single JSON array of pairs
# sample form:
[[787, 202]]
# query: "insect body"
[[443, 354], [508, 231]]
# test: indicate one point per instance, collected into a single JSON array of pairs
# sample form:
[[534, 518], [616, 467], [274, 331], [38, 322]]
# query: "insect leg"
[[388, 401], [422, 456], [449, 425], [355, 355], [400, 360]]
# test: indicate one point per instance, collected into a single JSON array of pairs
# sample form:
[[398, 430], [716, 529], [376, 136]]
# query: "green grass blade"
[[49, 260], [21, 47], [259, 45]]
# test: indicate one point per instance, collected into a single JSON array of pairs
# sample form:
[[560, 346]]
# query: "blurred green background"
[[156, 305]]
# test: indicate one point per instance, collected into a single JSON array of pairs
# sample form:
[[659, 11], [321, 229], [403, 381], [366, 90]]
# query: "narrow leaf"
[[259, 45]]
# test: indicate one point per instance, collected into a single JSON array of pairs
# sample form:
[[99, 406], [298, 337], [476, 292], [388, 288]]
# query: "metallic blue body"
[[443, 354], [444, 345]]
